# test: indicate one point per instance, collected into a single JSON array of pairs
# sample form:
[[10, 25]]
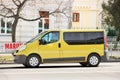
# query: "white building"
[[82, 14], [87, 13], [34, 8]]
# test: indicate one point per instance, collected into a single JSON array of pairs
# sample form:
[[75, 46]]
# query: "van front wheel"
[[33, 61], [93, 60]]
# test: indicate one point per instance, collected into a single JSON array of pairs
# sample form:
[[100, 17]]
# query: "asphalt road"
[[105, 71]]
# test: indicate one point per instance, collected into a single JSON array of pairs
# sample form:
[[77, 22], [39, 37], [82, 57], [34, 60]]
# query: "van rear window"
[[76, 38]]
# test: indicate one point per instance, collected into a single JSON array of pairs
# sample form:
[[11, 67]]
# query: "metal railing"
[[114, 46]]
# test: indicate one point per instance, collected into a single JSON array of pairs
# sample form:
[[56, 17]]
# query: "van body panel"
[[49, 51], [64, 46], [80, 50]]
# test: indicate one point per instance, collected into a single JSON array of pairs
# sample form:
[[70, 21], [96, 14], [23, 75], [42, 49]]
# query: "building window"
[[2, 26], [9, 28], [76, 17], [5, 27], [44, 22], [40, 27]]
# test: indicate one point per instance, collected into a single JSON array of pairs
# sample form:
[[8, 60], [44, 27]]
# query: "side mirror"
[[41, 41]]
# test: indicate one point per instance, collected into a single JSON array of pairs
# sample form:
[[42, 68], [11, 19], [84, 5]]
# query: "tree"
[[17, 7], [111, 10]]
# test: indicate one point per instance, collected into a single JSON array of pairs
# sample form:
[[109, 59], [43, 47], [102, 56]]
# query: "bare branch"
[[40, 16], [23, 3], [66, 15], [19, 1], [65, 9], [6, 16], [30, 19], [21, 6], [9, 10], [1, 2], [61, 11], [59, 5], [16, 2]]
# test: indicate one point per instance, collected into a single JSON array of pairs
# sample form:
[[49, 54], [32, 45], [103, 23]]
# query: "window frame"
[[52, 33], [43, 24], [76, 17], [85, 40], [6, 27]]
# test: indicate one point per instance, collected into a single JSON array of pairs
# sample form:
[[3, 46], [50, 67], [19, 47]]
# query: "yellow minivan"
[[62, 46]]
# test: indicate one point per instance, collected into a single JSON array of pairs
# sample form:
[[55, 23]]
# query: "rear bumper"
[[21, 59], [104, 58]]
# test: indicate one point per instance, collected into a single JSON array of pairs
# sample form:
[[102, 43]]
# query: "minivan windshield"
[[36, 37]]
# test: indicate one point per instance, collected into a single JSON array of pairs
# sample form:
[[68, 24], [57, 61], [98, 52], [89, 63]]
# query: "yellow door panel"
[[49, 48]]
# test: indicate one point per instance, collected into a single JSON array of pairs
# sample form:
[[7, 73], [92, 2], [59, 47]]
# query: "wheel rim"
[[94, 60], [33, 61]]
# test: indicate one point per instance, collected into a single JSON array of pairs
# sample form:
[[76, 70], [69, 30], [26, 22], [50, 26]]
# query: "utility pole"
[[70, 13]]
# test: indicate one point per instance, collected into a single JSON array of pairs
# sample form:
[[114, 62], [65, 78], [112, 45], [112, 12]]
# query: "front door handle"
[[59, 45]]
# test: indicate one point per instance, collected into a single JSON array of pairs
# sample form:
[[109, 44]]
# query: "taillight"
[[106, 43]]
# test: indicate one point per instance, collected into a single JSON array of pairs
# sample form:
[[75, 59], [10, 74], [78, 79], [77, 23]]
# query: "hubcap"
[[94, 60], [33, 61]]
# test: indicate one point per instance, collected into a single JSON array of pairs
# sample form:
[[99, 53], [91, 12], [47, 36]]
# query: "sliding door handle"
[[59, 45]]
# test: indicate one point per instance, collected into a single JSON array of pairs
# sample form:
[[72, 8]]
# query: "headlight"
[[22, 47]]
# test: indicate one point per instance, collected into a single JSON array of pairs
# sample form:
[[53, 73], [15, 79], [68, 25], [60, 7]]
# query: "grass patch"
[[115, 57], [6, 58]]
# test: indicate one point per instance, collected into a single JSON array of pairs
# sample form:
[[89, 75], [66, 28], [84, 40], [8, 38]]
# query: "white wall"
[[26, 30]]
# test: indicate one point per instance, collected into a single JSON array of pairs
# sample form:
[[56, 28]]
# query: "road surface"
[[105, 71]]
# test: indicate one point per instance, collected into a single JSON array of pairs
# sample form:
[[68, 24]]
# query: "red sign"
[[12, 45]]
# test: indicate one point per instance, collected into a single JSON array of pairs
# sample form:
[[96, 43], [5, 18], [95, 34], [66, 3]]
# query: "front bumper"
[[21, 59]]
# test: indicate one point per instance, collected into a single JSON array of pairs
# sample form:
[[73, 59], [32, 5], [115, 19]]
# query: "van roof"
[[79, 30]]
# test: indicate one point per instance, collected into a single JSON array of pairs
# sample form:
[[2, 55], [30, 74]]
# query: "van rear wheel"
[[33, 61], [93, 60]]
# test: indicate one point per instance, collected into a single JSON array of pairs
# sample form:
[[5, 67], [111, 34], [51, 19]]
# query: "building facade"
[[79, 14], [35, 8], [86, 14]]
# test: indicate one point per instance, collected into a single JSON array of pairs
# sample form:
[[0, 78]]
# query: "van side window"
[[76, 38], [51, 37]]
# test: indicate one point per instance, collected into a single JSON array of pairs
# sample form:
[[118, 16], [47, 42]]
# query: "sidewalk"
[[113, 55]]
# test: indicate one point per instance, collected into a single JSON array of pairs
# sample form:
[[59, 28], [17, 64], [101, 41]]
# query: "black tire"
[[84, 64], [93, 60], [32, 61]]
